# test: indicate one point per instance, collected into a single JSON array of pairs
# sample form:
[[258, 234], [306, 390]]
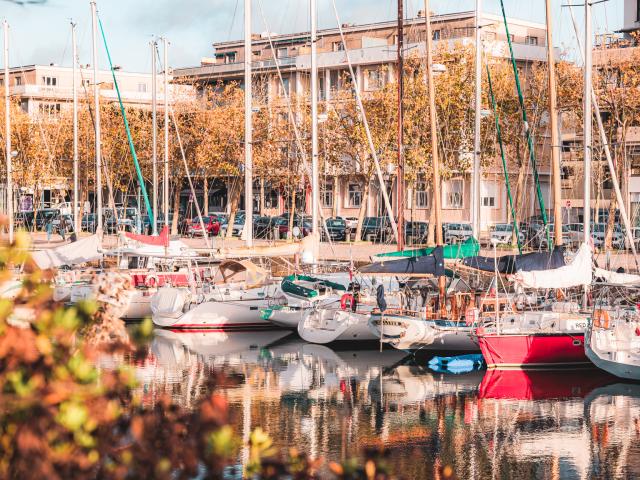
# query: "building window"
[[337, 46], [230, 57], [637, 10], [531, 40], [453, 193], [1, 82], [257, 53], [142, 87], [512, 37], [489, 36], [18, 81], [326, 196], [282, 52], [355, 195], [422, 195], [49, 109], [49, 81], [373, 79], [283, 87], [489, 194], [436, 35]]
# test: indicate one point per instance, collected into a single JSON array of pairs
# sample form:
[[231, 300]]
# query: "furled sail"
[[509, 264], [75, 253], [429, 265], [617, 278], [578, 272]]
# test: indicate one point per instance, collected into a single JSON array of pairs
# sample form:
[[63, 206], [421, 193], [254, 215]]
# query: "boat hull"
[[406, 333], [235, 314], [600, 349], [330, 325], [283, 315], [533, 350]]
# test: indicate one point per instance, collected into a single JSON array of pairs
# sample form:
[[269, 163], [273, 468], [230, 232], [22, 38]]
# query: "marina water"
[[335, 402]]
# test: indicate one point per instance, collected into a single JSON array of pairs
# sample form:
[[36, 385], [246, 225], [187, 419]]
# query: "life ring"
[[601, 319], [151, 281], [346, 301]]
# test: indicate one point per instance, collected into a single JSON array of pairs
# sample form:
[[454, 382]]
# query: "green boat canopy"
[[468, 248], [289, 285]]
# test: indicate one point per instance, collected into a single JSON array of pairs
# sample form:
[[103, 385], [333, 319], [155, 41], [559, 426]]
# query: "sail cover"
[[75, 253], [577, 272], [468, 248], [429, 265], [617, 278], [509, 264]]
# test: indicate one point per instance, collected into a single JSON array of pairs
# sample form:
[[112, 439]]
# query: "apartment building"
[[43, 91], [372, 51], [48, 89]]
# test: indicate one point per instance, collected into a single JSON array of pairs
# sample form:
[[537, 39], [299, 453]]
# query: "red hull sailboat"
[[532, 350]]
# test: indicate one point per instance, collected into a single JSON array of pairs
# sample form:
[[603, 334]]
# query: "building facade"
[[372, 51]]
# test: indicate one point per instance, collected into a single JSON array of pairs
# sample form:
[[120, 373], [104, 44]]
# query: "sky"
[[40, 32]]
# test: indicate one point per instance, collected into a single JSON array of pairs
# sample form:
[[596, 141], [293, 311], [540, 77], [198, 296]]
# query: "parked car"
[[502, 233], [416, 232], [377, 229], [456, 232], [337, 228], [89, 222], [303, 224], [238, 225], [65, 219], [211, 226], [540, 241], [263, 226], [598, 234]]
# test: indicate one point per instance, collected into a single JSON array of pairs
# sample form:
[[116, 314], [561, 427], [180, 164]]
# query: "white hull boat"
[[324, 325], [285, 316], [178, 308], [613, 344], [406, 333]]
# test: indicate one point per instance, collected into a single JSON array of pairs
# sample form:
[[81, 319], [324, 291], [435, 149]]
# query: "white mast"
[[7, 129], [96, 100], [165, 179], [154, 136], [555, 137], [315, 204], [475, 197], [248, 155], [76, 218], [588, 60]]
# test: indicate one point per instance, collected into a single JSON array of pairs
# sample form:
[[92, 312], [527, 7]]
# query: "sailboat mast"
[[75, 208], [555, 137], [154, 135], [588, 61], [165, 178], [96, 100], [248, 154], [7, 128], [475, 181], [434, 131], [400, 170], [315, 203]]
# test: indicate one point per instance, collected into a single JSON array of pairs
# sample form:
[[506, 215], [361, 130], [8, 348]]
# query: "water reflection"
[[333, 402]]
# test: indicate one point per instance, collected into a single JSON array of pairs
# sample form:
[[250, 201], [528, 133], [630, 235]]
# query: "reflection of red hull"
[[542, 385], [532, 350]]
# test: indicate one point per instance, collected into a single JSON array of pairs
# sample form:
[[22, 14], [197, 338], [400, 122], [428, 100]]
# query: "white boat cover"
[[283, 250], [577, 272], [617, 278], [84, 250]]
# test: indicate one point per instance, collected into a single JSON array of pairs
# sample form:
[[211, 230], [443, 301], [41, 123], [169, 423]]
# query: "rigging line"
[[504, 160], [302, 151], [126, 126], [233, 20], [532, 155], [374, 154]]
